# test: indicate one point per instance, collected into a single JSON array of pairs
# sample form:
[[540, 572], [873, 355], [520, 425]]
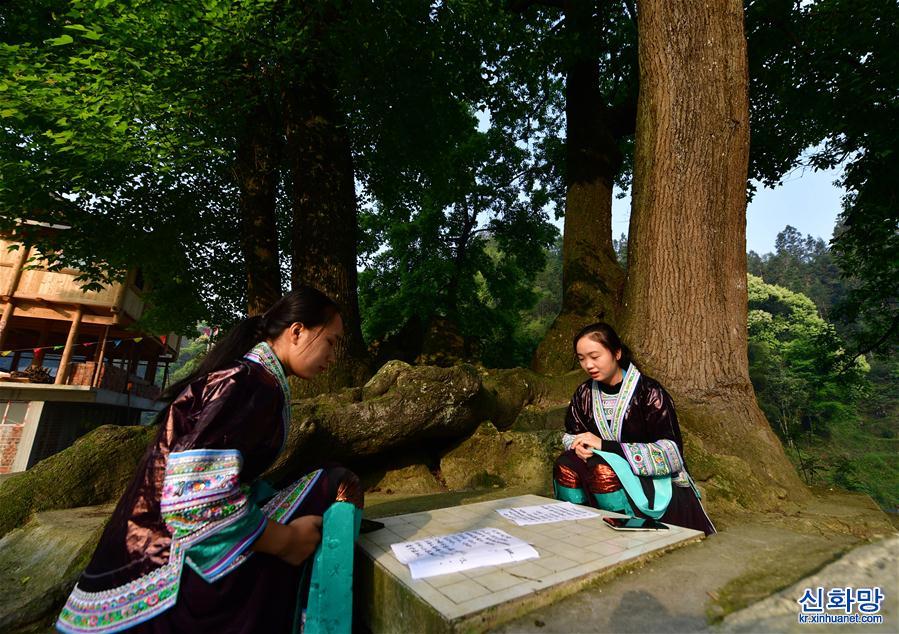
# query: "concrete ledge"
[[572, 555], [74, 394]]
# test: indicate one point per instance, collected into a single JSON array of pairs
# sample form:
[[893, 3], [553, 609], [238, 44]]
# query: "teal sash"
[[631, 484], [329, 609], [617, 500]]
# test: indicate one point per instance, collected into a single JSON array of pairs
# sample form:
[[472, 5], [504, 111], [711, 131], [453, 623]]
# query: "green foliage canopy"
[[795, 362], [825, 75], [121, 121], [109, 127]]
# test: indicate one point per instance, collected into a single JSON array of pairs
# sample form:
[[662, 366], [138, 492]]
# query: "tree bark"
[[591, 276], [685, 300], [324, 211], [256, 172]]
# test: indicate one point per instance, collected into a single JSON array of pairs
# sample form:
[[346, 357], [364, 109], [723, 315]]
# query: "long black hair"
[[603, 333], [304, 304]]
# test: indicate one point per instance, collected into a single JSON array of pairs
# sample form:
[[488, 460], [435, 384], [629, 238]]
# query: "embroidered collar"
[[610, 429], [263, 354]]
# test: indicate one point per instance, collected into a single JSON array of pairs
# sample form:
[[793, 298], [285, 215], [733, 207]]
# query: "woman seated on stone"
[[198, 543], [623, 447]]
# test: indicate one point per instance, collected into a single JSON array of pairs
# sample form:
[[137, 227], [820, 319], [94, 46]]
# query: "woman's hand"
[[585, 443], [293, 542], [306, 533]]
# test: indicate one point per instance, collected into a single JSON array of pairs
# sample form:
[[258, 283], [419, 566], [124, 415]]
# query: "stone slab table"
[[572, 554]]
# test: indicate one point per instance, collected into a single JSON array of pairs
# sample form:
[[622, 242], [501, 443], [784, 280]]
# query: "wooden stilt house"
[[70, 360]]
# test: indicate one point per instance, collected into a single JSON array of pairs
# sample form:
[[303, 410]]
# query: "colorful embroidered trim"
[[658, 458], [193, 525], [263, 354], [201, 493], [610, 428], [125, 606], [282, 506], [201, 496], [279, 508], [609, 401], [672, 455], [191, 512]]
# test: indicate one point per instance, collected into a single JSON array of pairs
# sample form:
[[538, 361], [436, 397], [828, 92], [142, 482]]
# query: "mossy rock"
[[558, 389], [402, 406], [347, 372], [385, 378], [532, 418], [485, 480], [41, 561], [493, 458], [414, 479], [94, 470], [507, 395]]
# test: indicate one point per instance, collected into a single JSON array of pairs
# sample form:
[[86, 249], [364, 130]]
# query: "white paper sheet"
[[461, 551], [547, 513]]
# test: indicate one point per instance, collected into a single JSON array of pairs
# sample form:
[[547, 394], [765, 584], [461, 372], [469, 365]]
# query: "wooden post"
[[98, 358], [10, 290], [63, 371], [8, 311], [13, 284]]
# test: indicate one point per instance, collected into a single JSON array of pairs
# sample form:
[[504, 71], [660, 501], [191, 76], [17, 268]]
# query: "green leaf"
[[61, 40]]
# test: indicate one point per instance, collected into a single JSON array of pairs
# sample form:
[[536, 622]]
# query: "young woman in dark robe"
[[198, 542], [623, 447]]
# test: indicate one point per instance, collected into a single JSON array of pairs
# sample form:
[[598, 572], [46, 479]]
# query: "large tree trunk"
[[256, 173], [591, 275], [685, 297], [324, 214]]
